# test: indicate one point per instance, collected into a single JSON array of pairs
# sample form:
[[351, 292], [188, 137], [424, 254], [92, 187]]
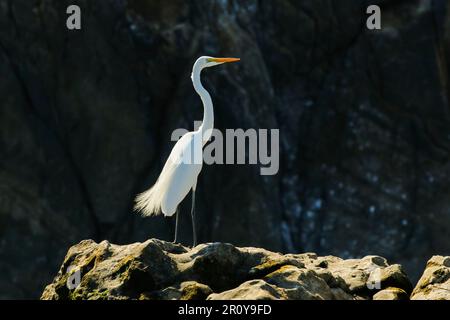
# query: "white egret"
[[180, 172]]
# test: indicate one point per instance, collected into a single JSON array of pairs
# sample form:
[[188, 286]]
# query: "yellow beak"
[[224, 60]]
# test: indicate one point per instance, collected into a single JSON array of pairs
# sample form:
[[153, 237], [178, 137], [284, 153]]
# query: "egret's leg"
[[194, 233], [176, 225]]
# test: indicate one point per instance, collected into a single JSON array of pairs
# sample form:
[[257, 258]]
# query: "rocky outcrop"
[[391, 294], [86, 118], [157, 269], [435, 281]]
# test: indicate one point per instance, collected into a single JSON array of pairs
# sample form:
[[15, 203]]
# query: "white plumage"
[[180, 172], [177, 178]]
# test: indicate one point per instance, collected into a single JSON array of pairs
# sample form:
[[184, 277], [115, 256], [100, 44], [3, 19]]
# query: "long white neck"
[[208, 111]]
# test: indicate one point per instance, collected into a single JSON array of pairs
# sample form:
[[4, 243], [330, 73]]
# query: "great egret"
[[180, 172]]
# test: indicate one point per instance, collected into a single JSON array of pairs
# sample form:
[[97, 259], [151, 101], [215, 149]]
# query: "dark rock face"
[[156, 269], [86, 118]]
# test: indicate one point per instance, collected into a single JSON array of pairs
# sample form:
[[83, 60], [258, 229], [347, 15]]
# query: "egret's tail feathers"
[[148, 203]]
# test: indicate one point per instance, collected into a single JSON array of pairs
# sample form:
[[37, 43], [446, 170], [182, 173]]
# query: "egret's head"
[[206, 62]]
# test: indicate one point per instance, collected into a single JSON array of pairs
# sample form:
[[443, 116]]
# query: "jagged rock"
[[391, 294], [299, 284], [187, 290], [250, 290], [157, 269], [435, 281]]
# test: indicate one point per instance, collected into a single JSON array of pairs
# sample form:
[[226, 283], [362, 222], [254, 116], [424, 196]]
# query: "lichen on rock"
[[156, 269], [435, 281]]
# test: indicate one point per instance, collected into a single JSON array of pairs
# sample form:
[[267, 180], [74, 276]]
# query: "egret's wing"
[[183, 167], [179, 174]]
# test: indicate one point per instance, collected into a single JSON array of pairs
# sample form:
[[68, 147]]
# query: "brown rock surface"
[[160, 270], [435, 281]]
